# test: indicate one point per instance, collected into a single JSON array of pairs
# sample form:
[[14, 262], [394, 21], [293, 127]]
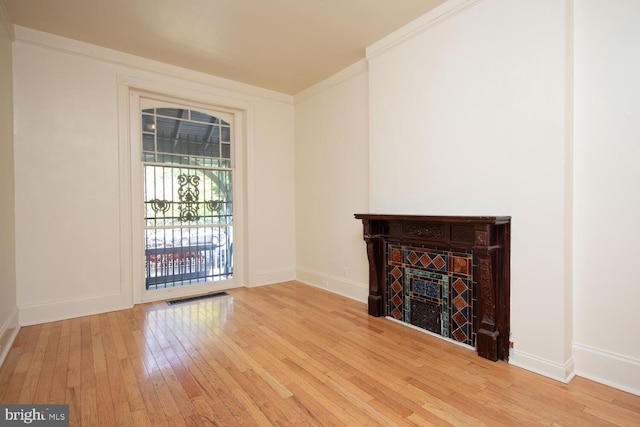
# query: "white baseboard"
[[338, 285], [8, 333], [563, 372], [33, 314], [614, 370]]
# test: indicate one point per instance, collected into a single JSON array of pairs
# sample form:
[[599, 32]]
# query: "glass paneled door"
[[187, 159]]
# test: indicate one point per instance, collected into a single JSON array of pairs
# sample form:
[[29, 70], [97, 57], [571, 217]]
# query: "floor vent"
[[199, 297]]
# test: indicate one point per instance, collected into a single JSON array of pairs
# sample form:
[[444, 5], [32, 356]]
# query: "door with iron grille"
[[188, 166]]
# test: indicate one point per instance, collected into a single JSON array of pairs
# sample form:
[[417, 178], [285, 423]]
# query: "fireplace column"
[[375, 255]]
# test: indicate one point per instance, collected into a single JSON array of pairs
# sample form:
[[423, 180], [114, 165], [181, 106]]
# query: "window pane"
[[172, 112], [226, 151], [197, 116], [148, 143], [148, 123], [188, 206], [188, 217], [226, 134]]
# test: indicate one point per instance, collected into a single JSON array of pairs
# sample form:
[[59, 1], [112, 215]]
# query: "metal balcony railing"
[[168, 267]]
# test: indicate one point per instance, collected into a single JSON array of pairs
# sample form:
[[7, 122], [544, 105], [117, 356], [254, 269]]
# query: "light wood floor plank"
[[59, 381], [104, 403], [74, 357], [89, 407], [288, 355], [123, 415], [72, 398], [116, 384], [29, 388]]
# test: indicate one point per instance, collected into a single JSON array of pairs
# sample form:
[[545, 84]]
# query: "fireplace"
[[445, 274]]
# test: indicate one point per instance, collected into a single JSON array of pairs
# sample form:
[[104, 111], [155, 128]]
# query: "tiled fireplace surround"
[[445, 274]]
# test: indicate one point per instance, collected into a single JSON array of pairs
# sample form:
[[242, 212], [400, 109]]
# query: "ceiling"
[[282, 45]]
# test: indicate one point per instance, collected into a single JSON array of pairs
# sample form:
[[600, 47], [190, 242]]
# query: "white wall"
[[331, 163], [8, 310], [272, 206], [607, 200], [467, 117], [68, 192]]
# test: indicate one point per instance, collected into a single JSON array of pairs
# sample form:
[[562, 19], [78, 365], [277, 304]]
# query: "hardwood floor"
[[285, 354]]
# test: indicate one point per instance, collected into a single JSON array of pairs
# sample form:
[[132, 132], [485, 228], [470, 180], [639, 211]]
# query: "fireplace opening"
[[432, 289]]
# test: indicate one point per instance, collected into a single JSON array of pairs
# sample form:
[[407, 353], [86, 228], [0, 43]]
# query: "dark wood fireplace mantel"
[[485, 240]]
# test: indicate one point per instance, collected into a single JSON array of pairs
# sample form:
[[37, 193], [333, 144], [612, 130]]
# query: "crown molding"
[[74, 47], [430, 19]]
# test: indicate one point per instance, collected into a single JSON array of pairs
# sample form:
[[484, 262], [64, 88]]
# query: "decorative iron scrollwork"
[[188, 194], [160, 206], [213, 205], [188, 204]]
